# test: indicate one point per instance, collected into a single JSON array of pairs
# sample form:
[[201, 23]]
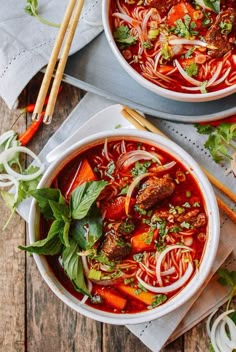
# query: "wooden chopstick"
[[62, 63], [142, 123], [53, 60]]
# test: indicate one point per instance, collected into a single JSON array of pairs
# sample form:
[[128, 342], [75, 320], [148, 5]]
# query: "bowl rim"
[[210, 250], [178, 96]]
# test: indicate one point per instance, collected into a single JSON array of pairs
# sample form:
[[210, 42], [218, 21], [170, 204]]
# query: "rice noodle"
[[161, 257], [184, 74], [172, 287]]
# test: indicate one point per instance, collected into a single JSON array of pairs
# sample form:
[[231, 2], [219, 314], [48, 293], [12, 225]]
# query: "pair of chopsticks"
[[68, 26], [141, 123]]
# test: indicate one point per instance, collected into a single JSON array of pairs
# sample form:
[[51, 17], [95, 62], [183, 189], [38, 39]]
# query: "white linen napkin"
[[26, 43], [211, 296]]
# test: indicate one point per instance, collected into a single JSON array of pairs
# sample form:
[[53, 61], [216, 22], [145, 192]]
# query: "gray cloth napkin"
[[156, 333], [26, 43]]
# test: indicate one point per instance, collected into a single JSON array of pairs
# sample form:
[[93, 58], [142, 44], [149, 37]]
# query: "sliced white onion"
[[6, 180], [165, 167], [160, 257], [232, 331], [131, 188], [221, 342], [229, 342], [215, 326], [130, 20], [222, 78], [216, 74], [184, 74], [84, 299], [178, 41], [172, 287], [7, 154], [85, 265], [5, 136], [168, 272], [129, 158], [105, 149]]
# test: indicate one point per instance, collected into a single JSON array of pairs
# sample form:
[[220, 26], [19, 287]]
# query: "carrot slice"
[[143, 242], [178, 12], [84, 173], [145, 297], [112, 298]]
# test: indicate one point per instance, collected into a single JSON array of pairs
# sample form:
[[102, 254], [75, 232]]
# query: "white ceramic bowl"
[[187, 97], [210, 249]]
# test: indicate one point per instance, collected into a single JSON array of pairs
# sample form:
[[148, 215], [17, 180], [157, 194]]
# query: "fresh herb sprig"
[[228, 278], [74, 226], [221, 140], [32, 9]]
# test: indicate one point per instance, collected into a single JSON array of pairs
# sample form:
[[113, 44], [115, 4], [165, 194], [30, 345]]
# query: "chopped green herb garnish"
[[140, 168], [185, 225], [138, 257], [192, 69], [158, 299], [122, 35]]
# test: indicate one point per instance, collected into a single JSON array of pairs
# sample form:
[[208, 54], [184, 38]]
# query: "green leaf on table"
[[88, 230], [51, 245], [44, 196], [204, 129], [73, 267], [26, 187], [83, 197], [226, 277]]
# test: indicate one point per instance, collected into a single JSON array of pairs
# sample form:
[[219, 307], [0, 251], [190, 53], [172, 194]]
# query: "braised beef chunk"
[[154, 190], [124, 227], [114, 247], [220, 35], [193, 217], [163, 5]]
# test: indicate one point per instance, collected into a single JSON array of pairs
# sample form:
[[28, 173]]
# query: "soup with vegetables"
[[123, 226], [184, 46]]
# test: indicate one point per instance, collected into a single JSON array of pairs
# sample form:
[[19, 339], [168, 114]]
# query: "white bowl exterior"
[[210, 251], [186, 97]]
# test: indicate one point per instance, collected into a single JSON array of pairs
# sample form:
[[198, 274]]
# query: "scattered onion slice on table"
[[223, 332], [9, 153]]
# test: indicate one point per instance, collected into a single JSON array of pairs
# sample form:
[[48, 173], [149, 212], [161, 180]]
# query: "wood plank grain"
[[120, 339], [51, 325], [12, 263]]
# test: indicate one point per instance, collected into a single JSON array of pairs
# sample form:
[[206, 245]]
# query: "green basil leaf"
[[83, 197], [60, 211], [43, 196], [73, 267], [50, 245], [88, 230], [66, 232]]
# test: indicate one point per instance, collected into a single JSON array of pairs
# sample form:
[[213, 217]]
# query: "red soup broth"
[[131, 244], [178, 45]]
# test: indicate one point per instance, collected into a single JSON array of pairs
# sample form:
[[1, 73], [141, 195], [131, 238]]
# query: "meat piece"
[[154, 190], [162, 5], [124, 227], [219, 36], [193, 217], [200, 220], [114, 247], [189, 216]]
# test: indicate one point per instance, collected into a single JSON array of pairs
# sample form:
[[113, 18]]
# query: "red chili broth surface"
[[210, 66], [186, 192]]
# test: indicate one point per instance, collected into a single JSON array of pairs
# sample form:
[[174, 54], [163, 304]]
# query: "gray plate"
[[95, 69]]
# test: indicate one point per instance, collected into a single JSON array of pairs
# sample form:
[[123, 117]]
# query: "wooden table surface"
[[32, 318]]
